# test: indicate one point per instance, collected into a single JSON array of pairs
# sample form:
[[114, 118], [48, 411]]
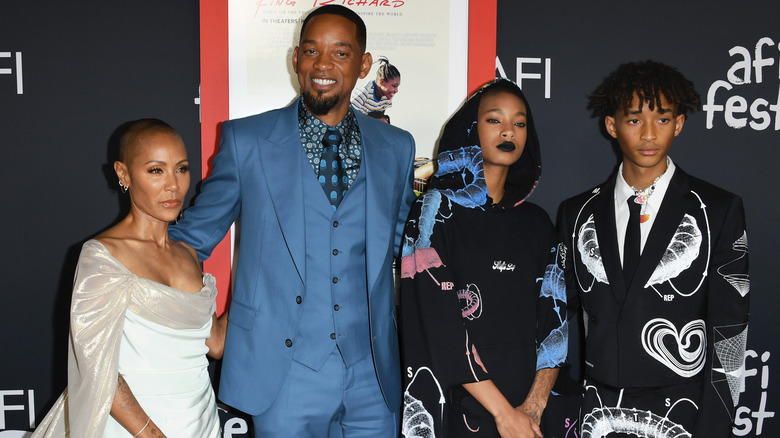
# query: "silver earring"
[[178, 218], [123, 187]]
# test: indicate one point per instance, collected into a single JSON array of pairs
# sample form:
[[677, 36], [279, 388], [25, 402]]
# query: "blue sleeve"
[[552, 325], [218, 205], [407, 197]]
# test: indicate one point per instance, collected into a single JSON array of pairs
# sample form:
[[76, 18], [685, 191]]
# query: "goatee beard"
[[317, 105]]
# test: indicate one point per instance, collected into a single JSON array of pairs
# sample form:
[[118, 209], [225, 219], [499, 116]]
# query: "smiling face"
[[389, 87], [157, 174], [329, 62], [501, 124], [644, 135]]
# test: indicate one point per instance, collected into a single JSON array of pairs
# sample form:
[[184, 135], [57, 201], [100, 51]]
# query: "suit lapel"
[[280, 157], [378, 165], [675, 204]]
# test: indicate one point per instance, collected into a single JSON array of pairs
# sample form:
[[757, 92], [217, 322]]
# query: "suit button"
[[335, 280], [288, 342], [335, 224], [333, 336], [298, 299], [336, 307], [335, 252]]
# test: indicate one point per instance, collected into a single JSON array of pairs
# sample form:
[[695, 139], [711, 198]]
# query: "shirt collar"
[[346, 126], [623, 191]]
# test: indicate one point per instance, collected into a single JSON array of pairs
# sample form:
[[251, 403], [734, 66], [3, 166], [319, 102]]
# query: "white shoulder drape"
[[103, 291]]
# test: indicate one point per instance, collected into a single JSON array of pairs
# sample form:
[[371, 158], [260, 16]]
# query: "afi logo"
[[526, 70], [10, 71], [17, 400]]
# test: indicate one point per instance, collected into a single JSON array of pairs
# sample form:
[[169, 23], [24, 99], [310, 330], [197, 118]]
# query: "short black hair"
[[341, 11], [649, 80], [135, 130]]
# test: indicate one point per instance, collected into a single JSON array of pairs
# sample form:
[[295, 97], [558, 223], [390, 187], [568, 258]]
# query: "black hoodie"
[[482, 294], [459, 171]]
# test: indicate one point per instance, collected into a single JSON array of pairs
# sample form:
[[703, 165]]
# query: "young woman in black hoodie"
[[483, 303]]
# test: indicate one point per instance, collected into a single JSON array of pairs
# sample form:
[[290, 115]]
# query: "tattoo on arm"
[[125, 397], [536, 401], [128, 412]]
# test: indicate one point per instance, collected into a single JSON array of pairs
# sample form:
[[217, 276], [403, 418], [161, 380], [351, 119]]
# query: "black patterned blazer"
[[684, 317]]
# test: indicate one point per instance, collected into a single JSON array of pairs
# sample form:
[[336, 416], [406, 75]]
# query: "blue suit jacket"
[[257, 180]]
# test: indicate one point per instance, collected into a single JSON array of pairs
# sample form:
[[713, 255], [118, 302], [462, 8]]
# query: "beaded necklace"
[[641, 196]]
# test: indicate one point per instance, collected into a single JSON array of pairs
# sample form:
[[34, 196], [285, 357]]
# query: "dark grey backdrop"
[[584, 42], [87, 68]]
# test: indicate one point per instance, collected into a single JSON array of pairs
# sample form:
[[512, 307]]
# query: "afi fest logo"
[[11, 68], [751, 414], [750, 68]]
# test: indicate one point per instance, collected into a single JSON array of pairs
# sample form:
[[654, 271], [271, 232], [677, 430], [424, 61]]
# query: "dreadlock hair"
[[649, 80], [386, 70]]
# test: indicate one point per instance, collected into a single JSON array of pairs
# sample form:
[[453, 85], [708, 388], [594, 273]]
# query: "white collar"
[[623, 191]]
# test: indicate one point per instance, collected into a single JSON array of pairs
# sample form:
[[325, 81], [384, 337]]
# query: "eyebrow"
[[659, 109], [338, 43], [186, 160], [498, 110]]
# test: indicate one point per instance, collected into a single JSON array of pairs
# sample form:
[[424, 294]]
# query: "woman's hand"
[[216, 342], [533, 409], [511, 422], [514, 423]]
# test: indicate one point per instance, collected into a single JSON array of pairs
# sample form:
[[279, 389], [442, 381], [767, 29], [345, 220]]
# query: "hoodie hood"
[[460, 175]]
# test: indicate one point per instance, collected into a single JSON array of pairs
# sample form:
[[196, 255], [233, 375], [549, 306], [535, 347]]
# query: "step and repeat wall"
[[72, 76], [559, 52]]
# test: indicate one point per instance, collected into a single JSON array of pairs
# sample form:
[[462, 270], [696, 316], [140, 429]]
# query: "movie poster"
[[424, 39]]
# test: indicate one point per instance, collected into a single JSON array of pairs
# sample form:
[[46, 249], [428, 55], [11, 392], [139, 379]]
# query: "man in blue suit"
[[312, 347]]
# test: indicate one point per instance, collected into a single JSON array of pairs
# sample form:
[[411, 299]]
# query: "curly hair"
[[649, 80]]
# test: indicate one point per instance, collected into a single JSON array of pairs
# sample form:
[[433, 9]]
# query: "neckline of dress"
[[206, 275]]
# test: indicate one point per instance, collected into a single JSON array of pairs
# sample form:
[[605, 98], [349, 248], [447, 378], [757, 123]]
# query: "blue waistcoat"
[[335, 299]]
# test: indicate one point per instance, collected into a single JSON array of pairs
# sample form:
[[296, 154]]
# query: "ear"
[[295, 60], [365, 65], [609, 123], [122, 173], [679, 121]]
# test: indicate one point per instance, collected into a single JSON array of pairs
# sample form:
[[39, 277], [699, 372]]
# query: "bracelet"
[[142, 429]]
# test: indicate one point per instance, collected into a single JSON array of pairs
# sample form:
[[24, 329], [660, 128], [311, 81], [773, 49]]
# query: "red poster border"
[[214, 108], [481, 43], [215, 103]]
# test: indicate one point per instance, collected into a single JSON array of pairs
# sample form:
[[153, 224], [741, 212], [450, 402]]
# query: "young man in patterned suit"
[[657, 260]]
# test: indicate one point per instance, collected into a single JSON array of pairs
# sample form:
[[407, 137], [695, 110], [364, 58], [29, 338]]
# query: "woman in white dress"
[[142, 313]]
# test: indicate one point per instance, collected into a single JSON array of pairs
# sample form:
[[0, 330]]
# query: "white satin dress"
[[151, 334]]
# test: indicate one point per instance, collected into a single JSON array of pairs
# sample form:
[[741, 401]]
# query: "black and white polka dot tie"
[[331, 170]]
